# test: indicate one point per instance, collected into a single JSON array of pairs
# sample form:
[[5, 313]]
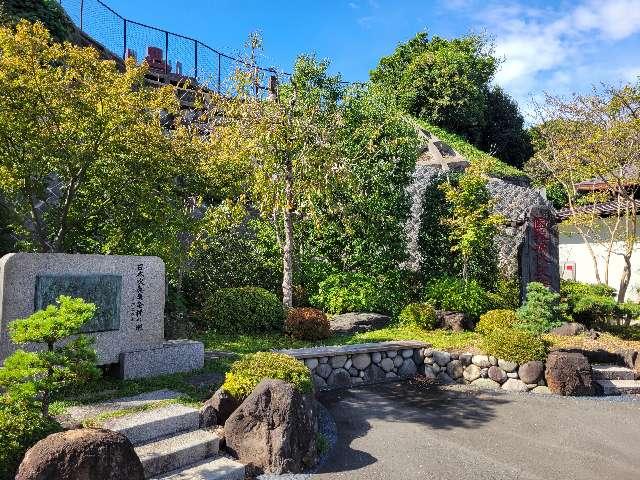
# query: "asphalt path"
[[416, 431]]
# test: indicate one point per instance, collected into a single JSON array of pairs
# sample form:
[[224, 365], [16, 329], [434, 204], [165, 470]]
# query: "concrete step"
[[219, 468], [612, 372], [619, 387], [149, 425], [176, 452]]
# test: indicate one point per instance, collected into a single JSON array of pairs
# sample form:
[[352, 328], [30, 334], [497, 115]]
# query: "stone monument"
[[129, 292], [539, 254]]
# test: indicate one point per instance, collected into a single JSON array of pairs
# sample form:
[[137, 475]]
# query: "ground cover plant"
[[246, 373]]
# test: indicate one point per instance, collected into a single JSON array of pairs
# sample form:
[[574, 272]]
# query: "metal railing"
[[166, 52]]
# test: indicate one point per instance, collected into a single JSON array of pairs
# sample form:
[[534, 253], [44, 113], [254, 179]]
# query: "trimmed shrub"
[[422, 315], [248, 372], [514, 345], [243, 310], [21, 426], [496, 320], [542, 310], [307, 324], [348, 292], [450, 293], [591, 304]]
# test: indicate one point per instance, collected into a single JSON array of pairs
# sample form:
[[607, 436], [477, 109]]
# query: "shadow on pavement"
[[416, 402]]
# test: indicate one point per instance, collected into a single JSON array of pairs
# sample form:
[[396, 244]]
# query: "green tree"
[[49, 12], [504, 134], [38, 375], [594, 137], [542, 310], [288, 144], [94, 169], [442, 81], [473, 224]]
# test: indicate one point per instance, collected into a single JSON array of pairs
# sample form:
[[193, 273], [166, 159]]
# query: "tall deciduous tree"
[[595, 136], [85, 161], [287, 142]]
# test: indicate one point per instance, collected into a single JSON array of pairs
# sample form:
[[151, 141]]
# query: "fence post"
[[124, 54], [166, 52], [195, 42], [81, 13], [219, 60]]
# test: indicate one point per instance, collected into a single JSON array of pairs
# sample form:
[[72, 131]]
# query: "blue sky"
[[555, 46]]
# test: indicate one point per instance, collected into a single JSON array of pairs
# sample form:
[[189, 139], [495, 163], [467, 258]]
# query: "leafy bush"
[[248, 372], [22, 424], [449, 293], [589, 303], [243, 310], [422, 315], [542, 309], [35, 376], [496, 320], [307, 324], [506, 294], [514, 345], [355, 292]]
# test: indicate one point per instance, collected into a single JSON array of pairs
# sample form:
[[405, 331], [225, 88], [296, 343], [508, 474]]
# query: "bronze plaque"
[[102, 290]]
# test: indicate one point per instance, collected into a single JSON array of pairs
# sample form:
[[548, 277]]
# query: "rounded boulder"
[[82, 454]]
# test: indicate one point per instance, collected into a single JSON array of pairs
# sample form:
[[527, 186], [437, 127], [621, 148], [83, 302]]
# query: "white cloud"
[[551, 47]]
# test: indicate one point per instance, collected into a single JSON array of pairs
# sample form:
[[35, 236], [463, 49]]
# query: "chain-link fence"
[[167, 54]]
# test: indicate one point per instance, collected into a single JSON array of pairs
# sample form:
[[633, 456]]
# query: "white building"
[[576, 261]]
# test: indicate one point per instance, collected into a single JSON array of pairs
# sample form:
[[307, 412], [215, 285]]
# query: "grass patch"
[[107, 388], [605, 341], [499, 168], [245, 344], [98, 421]]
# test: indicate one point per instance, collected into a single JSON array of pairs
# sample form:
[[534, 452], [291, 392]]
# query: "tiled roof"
[[601, 209]]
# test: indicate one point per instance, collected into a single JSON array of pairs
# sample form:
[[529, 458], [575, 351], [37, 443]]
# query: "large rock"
[[485, 383], [274, 430], [455, 321], [471, 373], [481, 360], [358, 322], [497, 374], [217, 409], [441, 358], [82, 454], [515, 385], [455, 369], [569, 329], [361, 361], [507, 366], [569, 374], [374, 373], [408, 369], [531, 372], [339, 378]]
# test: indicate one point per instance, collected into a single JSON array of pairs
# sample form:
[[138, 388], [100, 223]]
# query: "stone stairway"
[[616, 380], [172, 447]]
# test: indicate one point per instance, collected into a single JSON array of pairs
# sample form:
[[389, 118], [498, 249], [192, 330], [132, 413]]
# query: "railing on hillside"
[[168, 54]]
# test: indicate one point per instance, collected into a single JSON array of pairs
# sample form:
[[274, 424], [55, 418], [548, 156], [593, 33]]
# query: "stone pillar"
[[539, 258]]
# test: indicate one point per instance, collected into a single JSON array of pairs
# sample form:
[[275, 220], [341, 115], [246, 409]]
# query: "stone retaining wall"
[[367, 363], [483, 371], [349, 365]]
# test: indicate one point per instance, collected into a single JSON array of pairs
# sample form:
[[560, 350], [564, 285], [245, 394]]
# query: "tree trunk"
[[287, 251], [624, 280]]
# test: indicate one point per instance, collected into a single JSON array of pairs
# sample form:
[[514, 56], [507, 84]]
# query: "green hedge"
[[496, 320], [454, 294], [247, 373], [243, 310], [422, 315], [514, 345]]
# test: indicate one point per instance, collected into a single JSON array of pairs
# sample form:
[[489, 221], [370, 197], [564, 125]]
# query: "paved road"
[[411, 431]]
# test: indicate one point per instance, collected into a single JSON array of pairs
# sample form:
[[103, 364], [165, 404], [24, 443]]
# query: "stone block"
[[361, 361], [441, 358], [481, 360], [172, 356], [311, 363], [136, 301]]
